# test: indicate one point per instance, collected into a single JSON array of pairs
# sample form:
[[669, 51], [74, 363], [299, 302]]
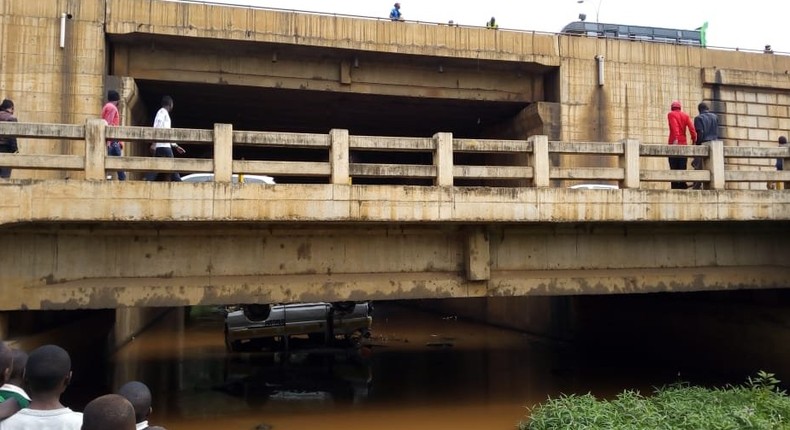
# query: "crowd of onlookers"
[[32, 387]]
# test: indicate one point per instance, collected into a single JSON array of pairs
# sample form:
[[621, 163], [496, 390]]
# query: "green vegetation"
[[758, 404]]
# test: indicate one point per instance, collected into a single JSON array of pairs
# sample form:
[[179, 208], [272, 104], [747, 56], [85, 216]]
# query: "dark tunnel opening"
[[304, 111], [200, 106]]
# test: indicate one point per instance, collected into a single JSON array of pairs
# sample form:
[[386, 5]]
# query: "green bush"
[[758, 404]]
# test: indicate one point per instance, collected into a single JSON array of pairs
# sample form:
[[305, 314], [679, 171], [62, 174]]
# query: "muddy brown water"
[[422, 371]]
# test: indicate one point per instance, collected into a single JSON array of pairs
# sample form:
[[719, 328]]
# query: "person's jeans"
[[678, 163], [114, 150], [5, 172], [166, 151]]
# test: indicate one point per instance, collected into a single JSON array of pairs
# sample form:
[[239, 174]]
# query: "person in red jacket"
[[679, 122]]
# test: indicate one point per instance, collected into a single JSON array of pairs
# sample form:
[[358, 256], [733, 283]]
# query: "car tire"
[[257, 312], [344, 307]]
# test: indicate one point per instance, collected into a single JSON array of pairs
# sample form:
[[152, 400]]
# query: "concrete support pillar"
[[630, 164], [131, 321], [715, 163], [4, 332], [443, 159], [478, 255], [223, 153], [95, 150], [539, 160], [339, 156]]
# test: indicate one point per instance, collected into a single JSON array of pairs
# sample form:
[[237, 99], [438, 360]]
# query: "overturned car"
[[273, 326]]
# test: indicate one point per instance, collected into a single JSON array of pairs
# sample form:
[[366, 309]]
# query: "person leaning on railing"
[[707, 126], [7, 144], [679, 122], [779, 185]]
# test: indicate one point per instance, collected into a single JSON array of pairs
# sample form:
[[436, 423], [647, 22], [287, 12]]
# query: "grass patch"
[[758, 404]]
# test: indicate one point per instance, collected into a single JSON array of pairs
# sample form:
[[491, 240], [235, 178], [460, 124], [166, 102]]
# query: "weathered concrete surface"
[[100, 201], [70, 266]]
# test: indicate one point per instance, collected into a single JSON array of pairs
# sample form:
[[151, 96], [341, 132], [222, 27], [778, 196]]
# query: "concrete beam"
[[119, 265]]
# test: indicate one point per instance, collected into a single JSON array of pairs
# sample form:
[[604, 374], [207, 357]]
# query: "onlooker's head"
[[703, 107], [782, 140], [397, 5], [18, 369], [7, 104], [6, 362], [167, 102], [139, 396], [48, 370], [675, 105], [108, 412], [113, 96]]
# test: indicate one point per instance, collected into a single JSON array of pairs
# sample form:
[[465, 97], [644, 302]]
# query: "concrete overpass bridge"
[[94, 243], [412, 160]]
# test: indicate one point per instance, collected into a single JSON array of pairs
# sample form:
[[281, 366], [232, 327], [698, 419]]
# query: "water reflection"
[[418, 371], [426, 371], [297, 380]]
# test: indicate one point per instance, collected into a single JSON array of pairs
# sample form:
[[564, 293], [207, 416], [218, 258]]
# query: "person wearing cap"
[[780, 163], [395, 14], [8, 145], [110, 114], [679, 122], [707, 126]]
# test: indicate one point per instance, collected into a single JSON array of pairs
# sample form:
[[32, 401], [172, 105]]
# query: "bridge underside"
[[108, 265], [281, 87]]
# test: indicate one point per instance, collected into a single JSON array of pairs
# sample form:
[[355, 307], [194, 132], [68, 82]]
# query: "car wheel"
[[257, 312], [344, 307]]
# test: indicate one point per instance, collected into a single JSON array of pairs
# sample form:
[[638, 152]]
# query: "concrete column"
[[443, 159], [539, 160], [630, 163], [339, 157], [4, 332], [478, 255], [715, 163], [223, 152], [95, 150]]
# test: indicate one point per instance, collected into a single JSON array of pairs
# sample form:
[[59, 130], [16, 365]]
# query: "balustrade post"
[[95, 149], [339, 156], [630, 164], [715, 164], [223, 152], [443, 159], [539, 160]]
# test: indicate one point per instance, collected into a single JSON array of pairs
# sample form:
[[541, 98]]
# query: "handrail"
[[441, 160], [518, 30]]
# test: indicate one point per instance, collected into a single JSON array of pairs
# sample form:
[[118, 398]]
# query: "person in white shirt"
[[165, 149], [138, 394], [47, 375]]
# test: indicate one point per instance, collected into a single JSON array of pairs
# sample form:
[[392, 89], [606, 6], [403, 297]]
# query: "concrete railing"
[[450, 162]]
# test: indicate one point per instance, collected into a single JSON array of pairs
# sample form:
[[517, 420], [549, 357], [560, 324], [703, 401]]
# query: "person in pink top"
[[110, 114], [679, 123]]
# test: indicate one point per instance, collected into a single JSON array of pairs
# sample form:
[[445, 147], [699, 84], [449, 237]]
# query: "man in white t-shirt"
[[47, 375], [165, 149]]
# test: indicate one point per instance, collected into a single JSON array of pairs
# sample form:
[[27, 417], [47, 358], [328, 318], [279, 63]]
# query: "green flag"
[[702, 34]]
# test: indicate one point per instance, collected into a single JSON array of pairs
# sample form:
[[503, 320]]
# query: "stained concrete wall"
[[49, 83], [87, 266], [641, 78]]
